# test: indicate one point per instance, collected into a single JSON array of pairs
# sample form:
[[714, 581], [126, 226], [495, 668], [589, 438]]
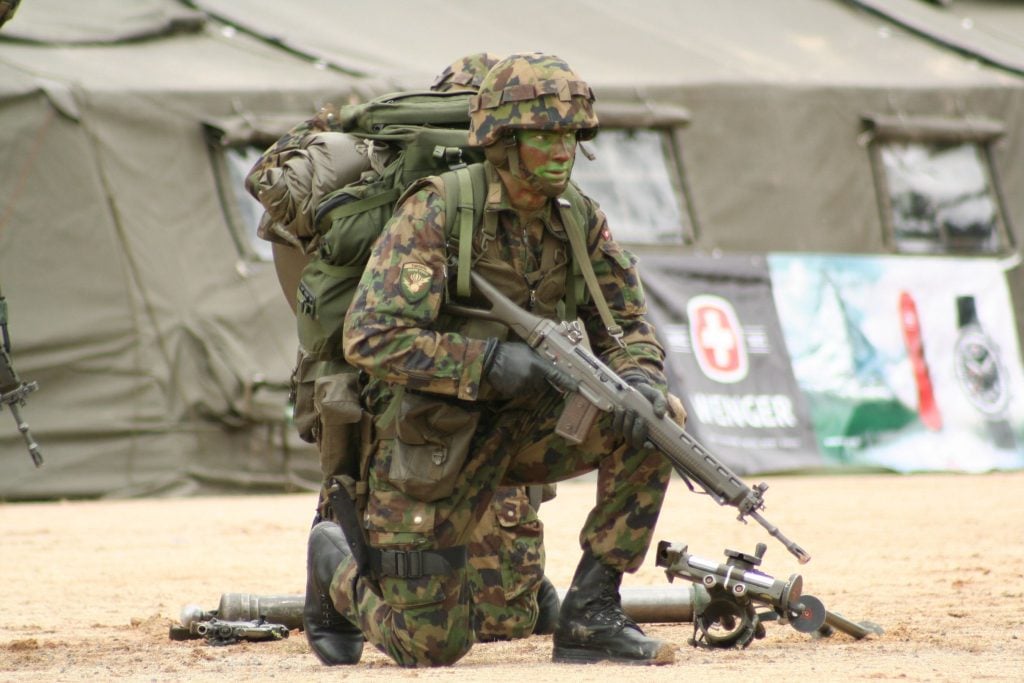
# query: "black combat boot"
[[332, 637], [592, 626], [548, 605]]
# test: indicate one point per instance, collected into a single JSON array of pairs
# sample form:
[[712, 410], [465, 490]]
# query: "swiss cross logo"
[[717, 339]]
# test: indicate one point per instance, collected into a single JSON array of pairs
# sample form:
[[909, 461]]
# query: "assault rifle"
[[12, 390], [600, 389]]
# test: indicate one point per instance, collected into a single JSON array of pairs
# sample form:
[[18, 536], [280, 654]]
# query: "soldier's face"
[[548, 157]]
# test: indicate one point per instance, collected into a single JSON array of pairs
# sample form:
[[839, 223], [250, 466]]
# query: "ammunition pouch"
[[432, 439], [414, 564]]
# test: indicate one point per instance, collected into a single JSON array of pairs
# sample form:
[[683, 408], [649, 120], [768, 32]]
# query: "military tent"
[[160, 342], [866, 152], [746, 145]]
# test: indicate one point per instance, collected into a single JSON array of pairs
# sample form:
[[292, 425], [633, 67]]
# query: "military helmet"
[[530, 91], [466, 73]]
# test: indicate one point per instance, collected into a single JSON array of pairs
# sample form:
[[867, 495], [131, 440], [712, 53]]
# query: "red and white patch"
[[717, 339], [606, 235]]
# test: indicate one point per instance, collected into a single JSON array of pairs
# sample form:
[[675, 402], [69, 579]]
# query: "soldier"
[[512, 597], [493, 395], [7, 9]]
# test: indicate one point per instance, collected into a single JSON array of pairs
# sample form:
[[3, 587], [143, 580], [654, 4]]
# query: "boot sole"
[[580, 655]]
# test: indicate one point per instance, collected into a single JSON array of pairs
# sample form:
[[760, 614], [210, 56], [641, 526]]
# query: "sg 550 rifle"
[[601, 389], [12, 390]]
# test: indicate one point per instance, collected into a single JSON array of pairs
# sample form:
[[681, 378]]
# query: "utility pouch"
[[349, 221], [304, 414], [337, 403], [432, 438]]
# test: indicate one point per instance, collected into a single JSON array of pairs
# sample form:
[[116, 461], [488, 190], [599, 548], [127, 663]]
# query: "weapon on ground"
[[601, 389], [12, 390], [643, 604], [729, 618], [196, 623]]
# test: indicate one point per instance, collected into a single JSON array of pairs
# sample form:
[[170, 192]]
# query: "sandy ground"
[[90, 589]]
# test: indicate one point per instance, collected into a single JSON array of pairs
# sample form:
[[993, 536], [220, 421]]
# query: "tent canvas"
[[160, 347], [161, 351]]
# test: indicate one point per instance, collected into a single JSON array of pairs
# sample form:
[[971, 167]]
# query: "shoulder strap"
[[465, 190], [577, 241]]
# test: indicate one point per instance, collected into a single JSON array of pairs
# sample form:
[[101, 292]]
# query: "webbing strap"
[[359, 206], [467, 217], [581, 256], [415, 564], [340, 272]]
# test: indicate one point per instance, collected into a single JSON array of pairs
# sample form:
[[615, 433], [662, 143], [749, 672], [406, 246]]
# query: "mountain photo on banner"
[[906, 363]]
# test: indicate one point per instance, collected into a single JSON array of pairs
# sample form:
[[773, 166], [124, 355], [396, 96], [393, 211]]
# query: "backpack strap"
[[464, 189]]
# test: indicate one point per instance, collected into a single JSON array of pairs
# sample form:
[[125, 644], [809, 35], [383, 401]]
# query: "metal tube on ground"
[[643, 604]]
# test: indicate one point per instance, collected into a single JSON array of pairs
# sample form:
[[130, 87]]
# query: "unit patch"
[[415, 282]]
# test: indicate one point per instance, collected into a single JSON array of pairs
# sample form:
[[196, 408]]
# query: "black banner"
[[727, 360]]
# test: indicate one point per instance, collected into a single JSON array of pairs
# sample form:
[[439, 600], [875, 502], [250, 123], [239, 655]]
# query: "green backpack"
[[429, 130]]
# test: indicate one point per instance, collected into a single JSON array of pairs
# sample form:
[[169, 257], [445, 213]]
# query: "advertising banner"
[[726, 358], [908, 363]]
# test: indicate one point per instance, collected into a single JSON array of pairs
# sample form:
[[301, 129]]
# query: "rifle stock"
[[563, 344]]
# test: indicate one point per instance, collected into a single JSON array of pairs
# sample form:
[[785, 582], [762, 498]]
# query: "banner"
[[910, 363], [726, 359]]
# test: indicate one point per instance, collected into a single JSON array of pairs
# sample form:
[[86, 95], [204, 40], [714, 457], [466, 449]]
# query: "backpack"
[[428, 130]]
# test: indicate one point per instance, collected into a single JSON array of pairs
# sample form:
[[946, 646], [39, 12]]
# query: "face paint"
[[546, 159]]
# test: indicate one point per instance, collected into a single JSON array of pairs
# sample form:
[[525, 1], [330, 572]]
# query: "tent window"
[[636, 180], [938, 190], [242, 210]]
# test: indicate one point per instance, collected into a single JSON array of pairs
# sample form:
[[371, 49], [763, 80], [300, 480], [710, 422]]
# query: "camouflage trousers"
[[505, 566], [429, 620], [506, 550]]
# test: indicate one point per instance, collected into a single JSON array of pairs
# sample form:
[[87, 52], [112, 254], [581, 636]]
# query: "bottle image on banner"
[[980, 373], [927, 409]]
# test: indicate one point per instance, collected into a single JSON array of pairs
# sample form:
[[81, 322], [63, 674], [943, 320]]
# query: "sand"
[[90, 589]]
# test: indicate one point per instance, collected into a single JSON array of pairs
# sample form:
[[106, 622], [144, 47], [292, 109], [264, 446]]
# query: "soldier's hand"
[[513, 369], [628, 422]]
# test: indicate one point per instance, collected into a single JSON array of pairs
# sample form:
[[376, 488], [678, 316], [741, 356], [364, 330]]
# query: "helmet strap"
[[511, 143], [585, 151]]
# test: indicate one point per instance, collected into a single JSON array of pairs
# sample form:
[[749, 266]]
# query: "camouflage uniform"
[[506, 555], [396, 331]]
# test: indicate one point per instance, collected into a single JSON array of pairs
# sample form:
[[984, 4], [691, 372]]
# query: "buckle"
[[403, 564]]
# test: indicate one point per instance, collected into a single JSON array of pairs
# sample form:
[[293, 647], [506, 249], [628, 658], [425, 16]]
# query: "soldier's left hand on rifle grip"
[[627, 422]]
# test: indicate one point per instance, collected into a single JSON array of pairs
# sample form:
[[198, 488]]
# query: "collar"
[[497, 201]]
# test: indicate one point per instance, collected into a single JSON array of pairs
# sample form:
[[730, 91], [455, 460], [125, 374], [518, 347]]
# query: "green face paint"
[[546, 158]]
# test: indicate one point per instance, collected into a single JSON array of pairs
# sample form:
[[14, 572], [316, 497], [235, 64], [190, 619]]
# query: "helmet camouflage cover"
[[466, 73], [531, 91]]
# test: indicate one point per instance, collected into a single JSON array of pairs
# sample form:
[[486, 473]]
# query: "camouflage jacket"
[[395, 329]]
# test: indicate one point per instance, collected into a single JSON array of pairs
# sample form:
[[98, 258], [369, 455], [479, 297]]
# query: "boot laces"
[[606, 609]]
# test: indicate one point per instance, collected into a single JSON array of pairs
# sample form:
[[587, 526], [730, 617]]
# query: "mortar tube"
[[643, 604]]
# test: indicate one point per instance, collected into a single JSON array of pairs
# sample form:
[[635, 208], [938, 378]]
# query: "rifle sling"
[[580, 255], [348, 519]]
